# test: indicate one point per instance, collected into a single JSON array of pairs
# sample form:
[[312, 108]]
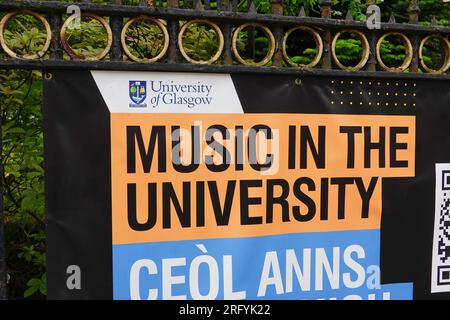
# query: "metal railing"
[[226, 22]]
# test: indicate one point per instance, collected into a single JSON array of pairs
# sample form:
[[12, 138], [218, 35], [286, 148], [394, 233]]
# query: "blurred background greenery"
[[21, 103]]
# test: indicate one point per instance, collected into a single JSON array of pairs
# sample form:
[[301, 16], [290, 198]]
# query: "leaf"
[[30, 291], [34, 282], [16, 130], [43, 284]]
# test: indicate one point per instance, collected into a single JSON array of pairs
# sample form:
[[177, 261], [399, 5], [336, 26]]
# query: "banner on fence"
[[218, 186]]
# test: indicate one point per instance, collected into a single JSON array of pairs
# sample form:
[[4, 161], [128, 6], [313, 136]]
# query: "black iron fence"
[[173, 17]]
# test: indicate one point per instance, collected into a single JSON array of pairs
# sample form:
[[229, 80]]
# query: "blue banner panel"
[[330, 265]]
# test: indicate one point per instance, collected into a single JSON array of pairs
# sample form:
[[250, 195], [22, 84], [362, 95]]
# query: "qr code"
[[441, 238], [444, 230]]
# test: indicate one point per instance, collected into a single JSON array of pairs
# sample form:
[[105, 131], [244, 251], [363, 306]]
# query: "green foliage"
[[433, 54], [392, 51], [25, 35], [89, 39], [356, 8], [349, 51], [200, 42], [36, 285], [292, 7], [301, 47], [252, 51], [23, 180], [144, 40]]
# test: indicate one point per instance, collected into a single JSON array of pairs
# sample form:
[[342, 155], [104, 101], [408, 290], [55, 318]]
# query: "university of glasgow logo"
[[138, 94]]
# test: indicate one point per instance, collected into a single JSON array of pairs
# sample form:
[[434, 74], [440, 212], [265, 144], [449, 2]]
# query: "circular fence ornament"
[[408, 52], [446, 64], [152, 21], [317, 39], [69, 49], [269, 35], [13, 54], [365, 48], [48, 76], [220, 41]]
